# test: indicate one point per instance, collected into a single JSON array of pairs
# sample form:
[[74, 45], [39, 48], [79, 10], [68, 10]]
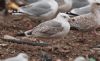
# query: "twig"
[[21, 41]]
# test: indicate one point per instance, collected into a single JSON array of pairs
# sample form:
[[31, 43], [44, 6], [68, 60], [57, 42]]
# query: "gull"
[[85, 9], [19, 57], [43, 9], [64, 5], [80, 58], [89, 21], [56, 27], [78, 6]]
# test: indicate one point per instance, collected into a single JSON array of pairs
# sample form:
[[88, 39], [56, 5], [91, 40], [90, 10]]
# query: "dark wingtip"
[[20, 34], [72, 14]]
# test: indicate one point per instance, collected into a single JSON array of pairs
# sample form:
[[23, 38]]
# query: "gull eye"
[[73, 20], [64, 16], [98, 3]]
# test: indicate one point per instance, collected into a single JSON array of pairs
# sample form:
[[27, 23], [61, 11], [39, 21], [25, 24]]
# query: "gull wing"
[[36, 9], [48, 28]]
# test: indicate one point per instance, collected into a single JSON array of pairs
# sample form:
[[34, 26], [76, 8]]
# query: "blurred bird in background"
[[80, 58], [85, 9], [40, 10], [19, 57], [67, 5], [64, 5]]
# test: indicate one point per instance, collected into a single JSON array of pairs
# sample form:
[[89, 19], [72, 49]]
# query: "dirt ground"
[[66, 49]]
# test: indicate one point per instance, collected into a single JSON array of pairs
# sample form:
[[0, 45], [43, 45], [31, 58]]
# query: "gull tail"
[[26, 33]]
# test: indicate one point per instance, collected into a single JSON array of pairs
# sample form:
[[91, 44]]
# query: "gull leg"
[[82, 37]]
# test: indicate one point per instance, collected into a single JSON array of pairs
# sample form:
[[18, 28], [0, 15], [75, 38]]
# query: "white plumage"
[[19, 57], [80, 58]]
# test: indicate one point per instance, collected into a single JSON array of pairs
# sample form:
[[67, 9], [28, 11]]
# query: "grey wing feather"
[[60, 2], [32, 1], [85, 9], [79, 3], [37, 10], [50, 28]]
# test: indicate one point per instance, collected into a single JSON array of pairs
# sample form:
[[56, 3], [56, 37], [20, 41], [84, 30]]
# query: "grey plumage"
[[79, 3], [82, 10], [50, 28], [43, 9], [67, 5], [31, 1], [64, 5], [85, 9], [60, 2], [37, 10]]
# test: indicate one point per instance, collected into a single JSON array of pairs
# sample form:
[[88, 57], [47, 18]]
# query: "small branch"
[[21, 41]]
